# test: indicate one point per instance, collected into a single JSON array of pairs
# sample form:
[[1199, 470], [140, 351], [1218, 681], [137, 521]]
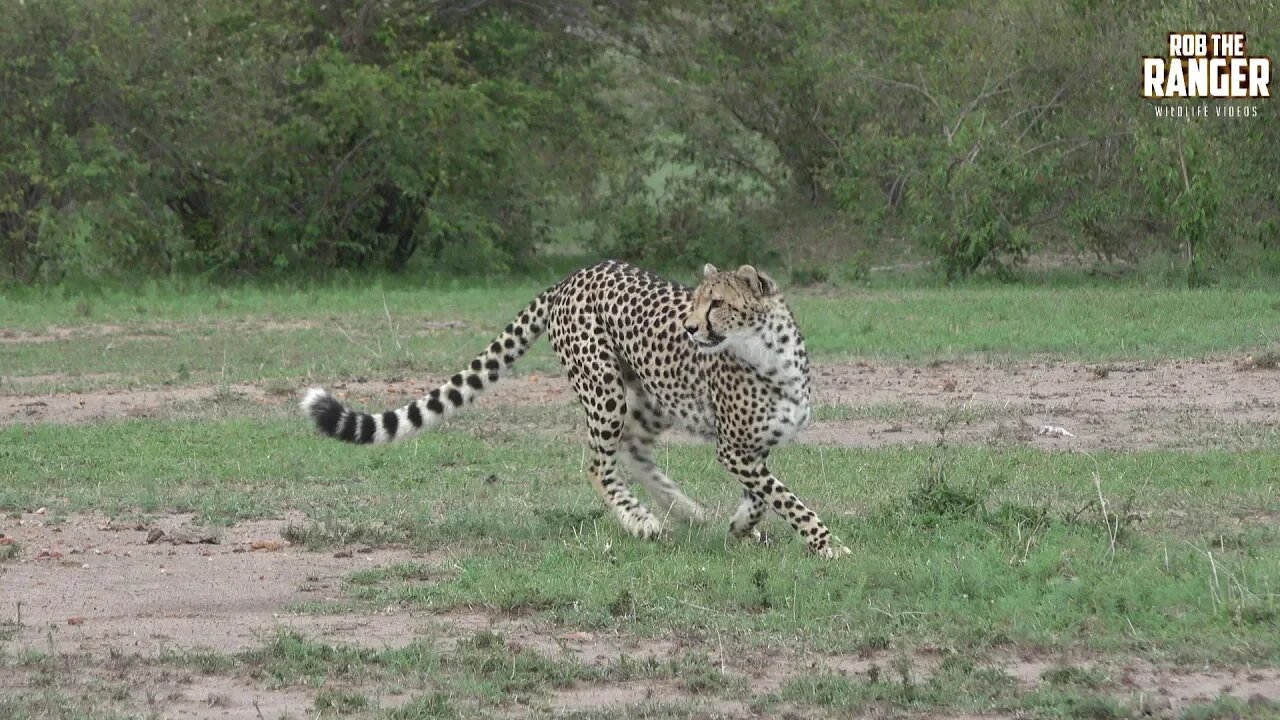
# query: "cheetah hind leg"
[[644, 422], [666, 495], [606, 408]]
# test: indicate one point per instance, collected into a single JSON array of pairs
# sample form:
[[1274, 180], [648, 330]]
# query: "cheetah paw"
[[645, 527], [752, 536], [831, 552]]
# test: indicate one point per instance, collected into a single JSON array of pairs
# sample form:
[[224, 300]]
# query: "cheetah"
[[724, 361]]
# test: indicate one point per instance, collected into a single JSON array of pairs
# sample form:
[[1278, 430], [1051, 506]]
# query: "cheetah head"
[[729, 308]]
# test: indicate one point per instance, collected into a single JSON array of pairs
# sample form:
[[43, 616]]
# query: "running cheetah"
[[724, 361]]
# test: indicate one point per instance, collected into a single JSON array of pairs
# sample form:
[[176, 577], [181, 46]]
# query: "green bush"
[[681, 230], [235, 138], [230, 138], [983, 130]]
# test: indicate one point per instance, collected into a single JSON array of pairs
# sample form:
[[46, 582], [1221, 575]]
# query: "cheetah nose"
[[691, 329]]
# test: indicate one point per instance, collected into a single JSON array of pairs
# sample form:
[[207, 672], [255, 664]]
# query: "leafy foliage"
[[980, 129], [243, 138], [239, 138]]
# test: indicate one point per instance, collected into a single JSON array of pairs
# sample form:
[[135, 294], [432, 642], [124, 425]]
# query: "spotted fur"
[[724, 360]]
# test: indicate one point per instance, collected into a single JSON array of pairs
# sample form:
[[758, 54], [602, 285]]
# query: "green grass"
[[167, 338], [1085, 324], [280, 359], [53, 704], [984, 553], [958, 685], [967, 548], [482, 671], [1231, 708]]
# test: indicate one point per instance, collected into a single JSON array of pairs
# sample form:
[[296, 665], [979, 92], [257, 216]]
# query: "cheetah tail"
[[335, 420]]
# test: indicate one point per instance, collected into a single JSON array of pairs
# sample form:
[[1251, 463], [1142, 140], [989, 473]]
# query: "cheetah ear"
[[762, 283], [708, 270]]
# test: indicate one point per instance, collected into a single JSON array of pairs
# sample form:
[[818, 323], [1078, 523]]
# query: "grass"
[[1232, 708], [162, 338], [482, 671], [969, 555], [966, 547], [1074, 675]]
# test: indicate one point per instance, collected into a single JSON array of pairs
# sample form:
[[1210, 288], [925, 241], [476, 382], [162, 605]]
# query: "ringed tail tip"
[[323, 408]]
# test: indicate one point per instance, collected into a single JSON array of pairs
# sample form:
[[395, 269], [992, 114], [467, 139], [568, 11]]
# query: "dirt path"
[[1182, 404], [109, 603]]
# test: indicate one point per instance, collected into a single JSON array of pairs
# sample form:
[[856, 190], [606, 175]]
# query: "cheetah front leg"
[[763, 489], [744, 520], [635, 518]]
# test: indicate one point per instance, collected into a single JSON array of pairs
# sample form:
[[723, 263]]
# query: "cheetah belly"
[[701, 424], [694, 418], [688, 413]]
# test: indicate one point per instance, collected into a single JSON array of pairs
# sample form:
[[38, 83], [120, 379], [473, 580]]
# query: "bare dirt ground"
[[108, 605], [1172, 404]]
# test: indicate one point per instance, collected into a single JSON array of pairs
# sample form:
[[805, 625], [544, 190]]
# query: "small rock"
[[342, 554], [75, 620], [1053, 431], [181, 537], [187, 537]]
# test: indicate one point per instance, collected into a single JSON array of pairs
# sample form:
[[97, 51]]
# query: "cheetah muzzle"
[[724, 361]]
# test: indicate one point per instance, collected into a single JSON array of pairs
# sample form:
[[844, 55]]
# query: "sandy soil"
[[1181, 404], [104, 600]]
